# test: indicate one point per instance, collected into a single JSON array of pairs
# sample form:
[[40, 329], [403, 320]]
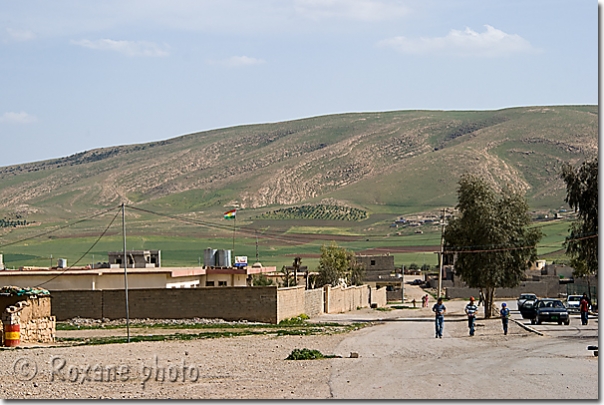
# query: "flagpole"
[[234, 222]]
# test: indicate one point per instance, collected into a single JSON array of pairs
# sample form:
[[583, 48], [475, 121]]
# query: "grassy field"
[[182, 244], [384, 164]]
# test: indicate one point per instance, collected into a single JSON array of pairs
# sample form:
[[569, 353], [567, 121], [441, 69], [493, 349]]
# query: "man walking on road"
[[471, 310], [584, 308], [439, 309], [505, 316]]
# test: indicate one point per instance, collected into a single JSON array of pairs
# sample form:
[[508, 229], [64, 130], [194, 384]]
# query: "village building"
[[144, 271]]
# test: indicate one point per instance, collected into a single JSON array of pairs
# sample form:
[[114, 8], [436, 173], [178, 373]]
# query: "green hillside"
[[352, 172]]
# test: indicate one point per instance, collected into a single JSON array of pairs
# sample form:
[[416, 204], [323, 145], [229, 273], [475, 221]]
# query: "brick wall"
[[396, 295], [230, 303], [71, 303]]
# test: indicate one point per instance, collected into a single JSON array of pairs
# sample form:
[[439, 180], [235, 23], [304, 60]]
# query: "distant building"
[[136, 258], [144, 271]]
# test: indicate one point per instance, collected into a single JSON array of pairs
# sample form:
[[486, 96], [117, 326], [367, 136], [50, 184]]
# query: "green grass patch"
[[308, 354]]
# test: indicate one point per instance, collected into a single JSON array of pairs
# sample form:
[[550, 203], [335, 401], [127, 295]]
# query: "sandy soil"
[[238, 367], [393, 355]]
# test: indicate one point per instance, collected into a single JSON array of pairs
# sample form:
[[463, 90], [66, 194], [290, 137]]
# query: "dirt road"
[[399, 358], [402, 359]]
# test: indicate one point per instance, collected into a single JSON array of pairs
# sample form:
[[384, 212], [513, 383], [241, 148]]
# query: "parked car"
[[527, 309], [573, 303], [525, 296], [550, 310], [417, 281]]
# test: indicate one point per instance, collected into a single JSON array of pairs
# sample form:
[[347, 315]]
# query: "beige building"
[[113, 278]]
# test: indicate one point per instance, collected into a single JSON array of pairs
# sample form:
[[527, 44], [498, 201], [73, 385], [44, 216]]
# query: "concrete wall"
[[339, 299], [313, 302], [379, 296], [260, 304], [230, 303], [394, 296], [290, 302]]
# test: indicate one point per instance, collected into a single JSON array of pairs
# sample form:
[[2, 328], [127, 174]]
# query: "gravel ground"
[[393, 357], [251, 367]]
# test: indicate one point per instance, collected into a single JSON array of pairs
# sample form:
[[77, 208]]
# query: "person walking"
[[584, 305], [471, 310], [427, 300], [505, 316], [480, 298], [439, 310]]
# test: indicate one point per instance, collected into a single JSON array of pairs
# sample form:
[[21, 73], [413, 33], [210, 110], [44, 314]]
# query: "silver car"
[[524, 297]]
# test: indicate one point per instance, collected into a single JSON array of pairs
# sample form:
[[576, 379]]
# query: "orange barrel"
[[12, 335]]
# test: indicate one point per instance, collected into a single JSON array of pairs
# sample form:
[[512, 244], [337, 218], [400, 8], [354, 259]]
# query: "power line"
[[84, 255], [57, 229]]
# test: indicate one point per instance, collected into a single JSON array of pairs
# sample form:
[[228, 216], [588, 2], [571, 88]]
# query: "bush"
[[305, 354], [296, 320]]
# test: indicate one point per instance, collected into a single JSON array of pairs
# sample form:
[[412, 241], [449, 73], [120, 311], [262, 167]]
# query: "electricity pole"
[[442, 247], [125, 271]]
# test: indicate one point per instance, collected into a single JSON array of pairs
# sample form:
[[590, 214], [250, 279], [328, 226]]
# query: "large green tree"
[[491, 237], [338, 264], [582, 196]]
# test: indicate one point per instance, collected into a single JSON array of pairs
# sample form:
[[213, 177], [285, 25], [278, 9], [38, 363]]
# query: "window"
[[209, 284], [373, 262], [222, 284]]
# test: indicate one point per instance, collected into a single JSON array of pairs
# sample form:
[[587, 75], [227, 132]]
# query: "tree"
[[582, 196], [289, 280], [491, 237], [337, 264], [261, 280]]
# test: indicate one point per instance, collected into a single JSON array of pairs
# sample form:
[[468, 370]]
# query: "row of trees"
[[492, 236]]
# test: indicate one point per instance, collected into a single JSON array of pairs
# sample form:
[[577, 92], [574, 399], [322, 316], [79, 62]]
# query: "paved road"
[[401, 359]]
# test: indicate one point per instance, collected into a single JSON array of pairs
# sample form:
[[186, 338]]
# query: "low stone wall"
[[33, 317], [40, 330], [339, 299]]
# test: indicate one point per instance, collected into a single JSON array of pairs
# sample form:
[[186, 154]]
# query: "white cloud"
[[491, 43], [20, 35], [17, 118], [237, 61], [128, 48], [363, 10]]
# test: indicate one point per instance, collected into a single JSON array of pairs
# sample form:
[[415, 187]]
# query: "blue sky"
[[78, 75]]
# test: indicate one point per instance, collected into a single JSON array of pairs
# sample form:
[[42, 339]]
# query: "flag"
[[230, 214]]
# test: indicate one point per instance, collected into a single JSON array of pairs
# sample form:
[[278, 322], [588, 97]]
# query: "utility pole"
[[256, 232], [442, 248], [125, 271]]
